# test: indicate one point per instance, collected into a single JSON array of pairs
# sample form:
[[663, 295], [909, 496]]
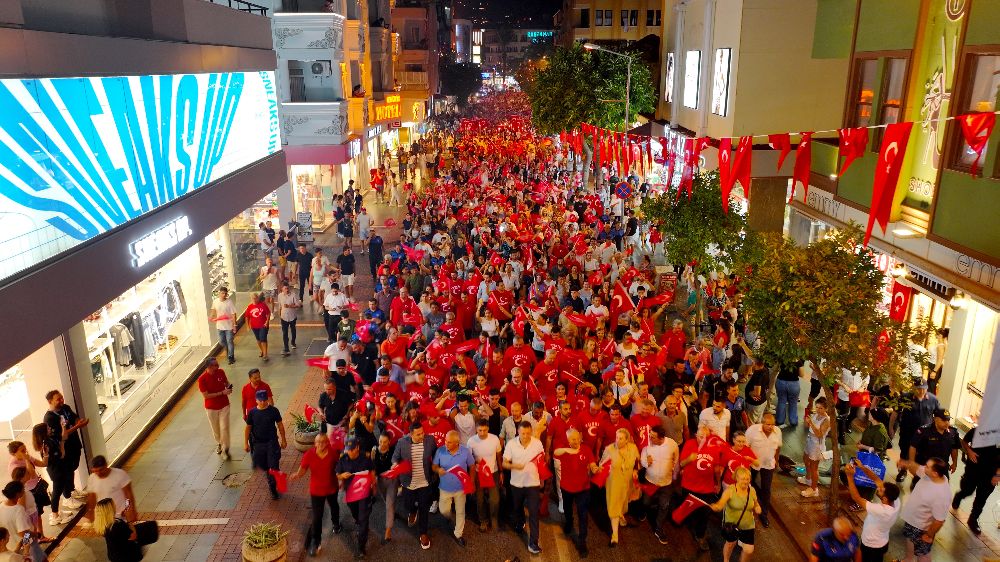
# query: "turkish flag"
[[412, 254], [360, 488], [621, 302], [648, 488], [520, 320], [496, 260], [337, 436], [687, 507], [280, 480], [976, 129], [595, 278], [484, 475], [600, 478], [582, 320], [687, 168], [900, 304], [725, 169], [543, 468], [853, 143], [741, 165], [890, 160], [309, 412], [464, 347], [658, 300], [499, 303], [468, 486], [782, 142], [803, 163], [413, 318]]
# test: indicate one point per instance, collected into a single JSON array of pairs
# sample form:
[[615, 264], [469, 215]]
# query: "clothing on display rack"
[[122, 338], [150, 334], [138, 347]]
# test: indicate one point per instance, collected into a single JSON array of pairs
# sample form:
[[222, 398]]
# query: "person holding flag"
[[453, 464], [320, 461], [520, 458], [577, 464], [356, 474], [701, 474], [487, 451]]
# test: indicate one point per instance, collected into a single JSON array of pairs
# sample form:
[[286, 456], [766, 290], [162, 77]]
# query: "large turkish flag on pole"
[[890, 160]]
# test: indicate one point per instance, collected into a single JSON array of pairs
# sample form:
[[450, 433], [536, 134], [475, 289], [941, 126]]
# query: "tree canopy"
[[460, 79]]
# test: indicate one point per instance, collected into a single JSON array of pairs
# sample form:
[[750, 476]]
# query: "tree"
[[460, 79], [698, 230], [610, 76], [819, 303]]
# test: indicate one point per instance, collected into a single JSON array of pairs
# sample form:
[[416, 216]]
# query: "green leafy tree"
[[819, 303], [610, 74], [698, 229], [460, 79]]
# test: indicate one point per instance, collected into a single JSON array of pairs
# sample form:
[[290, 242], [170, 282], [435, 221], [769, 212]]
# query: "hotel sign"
[[388, 110]]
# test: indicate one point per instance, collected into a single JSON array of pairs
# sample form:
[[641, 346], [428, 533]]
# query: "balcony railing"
[[415, 45], [243, 6], [412, 80]]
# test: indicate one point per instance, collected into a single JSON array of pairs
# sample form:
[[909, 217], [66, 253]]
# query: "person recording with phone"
[[19, 540], [216, 388]]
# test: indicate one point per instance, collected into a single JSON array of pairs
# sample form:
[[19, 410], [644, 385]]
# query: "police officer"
[[916, 409], [936, 439], [981, 467]]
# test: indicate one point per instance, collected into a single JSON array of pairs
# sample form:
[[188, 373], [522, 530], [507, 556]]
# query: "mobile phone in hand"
[[128, 504], [26, 539]]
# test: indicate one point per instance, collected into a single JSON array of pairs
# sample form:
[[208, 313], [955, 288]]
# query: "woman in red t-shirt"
[[320, 461]]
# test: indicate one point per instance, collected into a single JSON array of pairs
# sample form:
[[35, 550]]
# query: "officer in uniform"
[[936, 439], [915, 412], [982, 473]]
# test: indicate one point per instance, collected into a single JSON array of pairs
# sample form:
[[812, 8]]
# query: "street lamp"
[[628, 90], [628, 77]]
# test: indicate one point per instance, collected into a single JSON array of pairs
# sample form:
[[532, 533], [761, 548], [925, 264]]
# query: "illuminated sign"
[[389, 109], [152, 245], [539, 34], [692, 78], [354, 148], [375, 131], [720, 82], [82, 156]]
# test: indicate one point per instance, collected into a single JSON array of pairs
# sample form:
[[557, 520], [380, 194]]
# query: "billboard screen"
[[82, 156]]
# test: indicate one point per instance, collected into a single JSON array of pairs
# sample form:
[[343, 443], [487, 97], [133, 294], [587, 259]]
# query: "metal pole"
[[628, 91]]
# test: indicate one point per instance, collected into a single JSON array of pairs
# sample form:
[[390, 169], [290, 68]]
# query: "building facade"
[[609, 20], [146, 135], [503, 50]]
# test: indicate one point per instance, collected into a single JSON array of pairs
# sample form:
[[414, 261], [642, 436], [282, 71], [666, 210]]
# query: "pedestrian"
[[333, 405], [980, 476], [577, 463], [519, 458], [418, 449], [926, 508], [624, 456], [215, 389], [916, 409], [258, 315], [880, 514], [223, 313], [288, 312], [264, 437], [701, 473], [119, 534], [488, 451], [738, 505], [365, 223], [105, 482], [303, 264], [269, 278], [248, 394], [388, 486], [817, 428], [659, 459], [757, 390], [838, 543], [352, 465], [345, 262], [16, 526], [765, 441], [375, 255], [333, 303], [320, 461], [936, 439], [449, 460], [67, 447], [787, 389]]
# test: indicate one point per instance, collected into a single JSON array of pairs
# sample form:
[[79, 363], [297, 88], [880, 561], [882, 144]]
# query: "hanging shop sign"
[[82, 156], [305, 220], [388, 110], [154, 244]]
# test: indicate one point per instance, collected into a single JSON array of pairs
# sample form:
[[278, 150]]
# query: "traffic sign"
[[623, 190]]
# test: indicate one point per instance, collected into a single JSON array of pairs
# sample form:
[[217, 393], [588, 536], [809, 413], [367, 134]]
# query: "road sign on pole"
[[623, 190]]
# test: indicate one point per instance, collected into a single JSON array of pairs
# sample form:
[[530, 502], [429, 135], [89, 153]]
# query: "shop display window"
[[974, 362], [14, 416], [143, 345], [247, 256], [313, 188]]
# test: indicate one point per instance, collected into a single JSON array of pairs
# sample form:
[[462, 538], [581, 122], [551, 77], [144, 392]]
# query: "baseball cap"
[[919, 383], [351, 443], [943, 414], [261, 395]]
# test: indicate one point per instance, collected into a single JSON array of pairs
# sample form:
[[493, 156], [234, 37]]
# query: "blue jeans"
[[788, 401], [226, 341]]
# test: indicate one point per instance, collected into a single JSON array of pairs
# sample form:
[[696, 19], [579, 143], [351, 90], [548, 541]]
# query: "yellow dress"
[[620, 479]]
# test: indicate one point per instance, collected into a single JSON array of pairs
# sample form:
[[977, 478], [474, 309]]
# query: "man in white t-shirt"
[[338, 350], [765, 442], [288, 305], [716, 418], [597, 309], [333, 303], [13, 516], [224, 314], [926, 508], [518, 457], [114, 483], [881, 514], [487, 450], [659, 458]]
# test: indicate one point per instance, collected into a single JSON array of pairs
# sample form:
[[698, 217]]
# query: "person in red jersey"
[[701, 473]]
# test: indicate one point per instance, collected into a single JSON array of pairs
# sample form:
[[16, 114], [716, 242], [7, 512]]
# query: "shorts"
[[915, 535], [260, 334], [814, 448], [363, 234], [270, 293], [742, 536], [347, 280]]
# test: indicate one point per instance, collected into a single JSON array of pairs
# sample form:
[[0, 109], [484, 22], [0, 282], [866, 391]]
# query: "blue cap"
[[261, 395]]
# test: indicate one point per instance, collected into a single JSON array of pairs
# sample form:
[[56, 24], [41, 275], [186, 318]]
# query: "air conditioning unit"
[[322, 68]]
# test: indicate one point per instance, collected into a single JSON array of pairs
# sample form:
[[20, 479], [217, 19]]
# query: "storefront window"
[[982, 95], [14, 418], [144, 344], [313, 189], [246, 253], [974, 361]]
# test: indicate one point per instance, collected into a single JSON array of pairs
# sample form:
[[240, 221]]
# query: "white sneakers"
[[810, 493], [804, 481], [71, 504], [434, 507]]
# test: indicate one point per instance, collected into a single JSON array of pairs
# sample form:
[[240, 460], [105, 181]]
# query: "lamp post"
[[628, 90]]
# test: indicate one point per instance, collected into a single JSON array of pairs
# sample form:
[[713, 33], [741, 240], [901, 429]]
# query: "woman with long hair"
[[623, 455], [119, 535]]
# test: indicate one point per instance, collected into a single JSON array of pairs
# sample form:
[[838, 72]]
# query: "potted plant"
[[304, 432], [265, 542]]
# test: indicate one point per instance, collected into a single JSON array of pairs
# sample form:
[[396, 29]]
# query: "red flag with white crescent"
[[360, 487], [725, 170], [976, 129], [900, 304], [782, 142], [890, 160], [741, 165], [803, 163], [621, 302], [853, 142]]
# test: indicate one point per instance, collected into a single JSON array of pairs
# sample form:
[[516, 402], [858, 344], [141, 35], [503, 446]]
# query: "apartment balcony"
[[381, 39], [411, 81], [308, 36], [357, 115], [315, 123], [355, 39]]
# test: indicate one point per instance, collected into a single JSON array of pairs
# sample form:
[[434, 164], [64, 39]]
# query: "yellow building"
[[609, 20]]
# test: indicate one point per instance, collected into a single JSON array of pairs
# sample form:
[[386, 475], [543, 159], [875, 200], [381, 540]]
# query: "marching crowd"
[[521, 357]]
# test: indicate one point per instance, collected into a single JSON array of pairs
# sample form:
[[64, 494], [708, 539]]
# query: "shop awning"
[[329, 154]]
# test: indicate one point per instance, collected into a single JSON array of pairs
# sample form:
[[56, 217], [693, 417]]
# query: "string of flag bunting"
[[626, 150]]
